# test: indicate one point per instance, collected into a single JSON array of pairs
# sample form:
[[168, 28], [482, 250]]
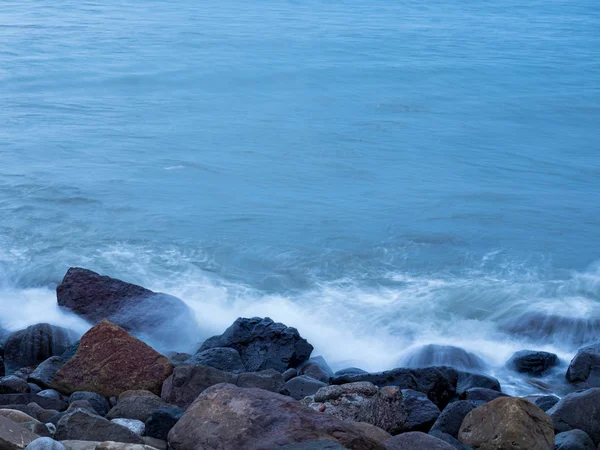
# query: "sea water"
[[380, 174]]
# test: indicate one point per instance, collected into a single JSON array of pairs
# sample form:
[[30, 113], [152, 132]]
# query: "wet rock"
[[578, 411], [584, 369], [269, 380], [14, 436], [254, 418], [532, 362], [133, 425], [222, 358], [507, 422], [137, 405], [161, 421], [35, 344], [448, 439], [303, 386], [469, 380], [451, 418], [45, 372], [45, 443], [188, 381], [546, 402], [481, 395], [110, 361], [13, 385], [289, 374], [416, 440], [263, 344], [573, 440], [350, 371], [438, 383], [442, 355], [83, 425], [149, 315], [98, 402]]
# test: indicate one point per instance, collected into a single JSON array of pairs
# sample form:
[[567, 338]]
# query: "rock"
[[258, 419], [2, 367], [44, 373], [26, 399], [24, 372], [222, 358], [507, 422], [584, 369], [106, 445], [546, 402], [99, 403], [45, 443], [316, 368], [25, 420], [373, 432], [303, 386], [110, 361], [442, 355], [289, 374], [13, 385], [448, 439], [83, 425], [350, 371], [161, 421], [269, 380], [133, 425], [438, 383], [533, 362], [416, 440], [187, 382], [481, 395], [573, 440], [36, 411], [469, 380], [578, 411], [177, 358], [451, 418], [149, 315], [51, 393], [81, 404], [35, 344], [263, 344], [34, 388], [14, 436], [138, 406], [158, 444], [313, 445], [421, 412]]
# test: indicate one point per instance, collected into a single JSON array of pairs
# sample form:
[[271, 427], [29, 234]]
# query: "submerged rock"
[[433, 355], [533, 362], [110, 361], [263, 344]]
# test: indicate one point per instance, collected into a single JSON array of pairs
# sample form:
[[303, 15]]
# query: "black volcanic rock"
[[533, 362]]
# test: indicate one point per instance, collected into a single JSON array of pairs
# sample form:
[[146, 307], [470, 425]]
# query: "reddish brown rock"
[[110, 361]]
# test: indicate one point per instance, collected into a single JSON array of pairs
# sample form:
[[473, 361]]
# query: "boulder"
[[45, 443], [573, 440], [35, 344], [451, 418], [222, 358], [188, 381], [226, 416], [303, 386], [545, 402], [37, 412], [316, 368], [161, 421], [263, 344], [149, 315], [26, 399], [350, 371], [110, 361], [442, 355], [45, 372], [448, 439], [14, 436], [177, 358], [373, 432], [507, 422], [481, 395], [584, 369], [438, 383], [13, 385], [269, 380], [133, 425], [469, 380], [136, 406], [51, 393], [289, 374], [578, 411], [98, 402], [34, 388], [25, 420], [313, 445], [416, 440], [83, 425], [532, 362]]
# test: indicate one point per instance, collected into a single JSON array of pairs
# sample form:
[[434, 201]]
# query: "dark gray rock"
[[98, 402], [34, 388], [451, 418], [438, 383], [51, 393], [161, 421], [349, 372], [546, 402], [36, 411], [442, 355], [81, 404], [222, 358], [316, 368], [35, 344], [85, 426], [573, 440], [25, 399], [289, 374], [313, 445], [578, 411], [263, 344], [269, 380], [44, 373], [13, 385], [421, 412], [45, 443], [133, 425], [137, 405], [469, 380], [415, 440], [177, 358], [532, 362], [303, 386], [481, 395], [584, 369], [449, 440]]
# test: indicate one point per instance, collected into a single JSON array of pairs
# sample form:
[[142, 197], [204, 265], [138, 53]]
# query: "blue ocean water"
[[380, 174]]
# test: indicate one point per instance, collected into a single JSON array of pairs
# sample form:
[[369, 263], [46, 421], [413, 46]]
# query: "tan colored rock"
[[109, 361], [14, 436]]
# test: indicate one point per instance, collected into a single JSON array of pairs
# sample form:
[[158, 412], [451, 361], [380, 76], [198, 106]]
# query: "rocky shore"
[[258, 386]]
